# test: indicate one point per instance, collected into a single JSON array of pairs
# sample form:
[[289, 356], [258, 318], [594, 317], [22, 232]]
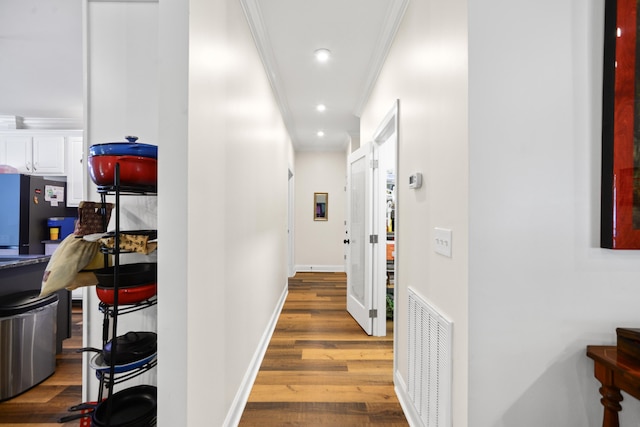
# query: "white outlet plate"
[[442, 241]]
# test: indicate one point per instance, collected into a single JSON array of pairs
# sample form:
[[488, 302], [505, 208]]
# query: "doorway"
[[385, 140], [290, 225], [371, 228]]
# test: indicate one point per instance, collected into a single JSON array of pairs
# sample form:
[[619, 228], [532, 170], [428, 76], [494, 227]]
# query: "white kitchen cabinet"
[[34, 153], [15, 150], [49, 154], [76, 170]]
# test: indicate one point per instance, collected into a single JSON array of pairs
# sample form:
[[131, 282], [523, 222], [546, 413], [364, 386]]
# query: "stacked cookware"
[[130, 168], [138, 163]]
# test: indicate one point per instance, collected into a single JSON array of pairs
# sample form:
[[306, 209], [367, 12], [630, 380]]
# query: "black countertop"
[[11, 261]]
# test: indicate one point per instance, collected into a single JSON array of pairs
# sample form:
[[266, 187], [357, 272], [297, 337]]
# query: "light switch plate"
[[442, 241]]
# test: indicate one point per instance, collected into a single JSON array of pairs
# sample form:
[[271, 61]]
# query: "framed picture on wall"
[[320, 206], [620, 204]]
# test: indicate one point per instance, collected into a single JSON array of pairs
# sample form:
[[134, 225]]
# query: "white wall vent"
[[430, 352]]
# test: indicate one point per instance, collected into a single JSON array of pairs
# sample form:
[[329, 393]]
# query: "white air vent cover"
[[430, 350]]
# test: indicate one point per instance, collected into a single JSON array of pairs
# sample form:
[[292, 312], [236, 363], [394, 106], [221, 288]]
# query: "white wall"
[[122, 71], [427, 71], [41, 47], [222, 208], [319, 244], [121, 100], [540, 287]]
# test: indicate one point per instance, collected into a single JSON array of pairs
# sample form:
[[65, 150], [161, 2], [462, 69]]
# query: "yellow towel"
[[87, 277], [72, 255]]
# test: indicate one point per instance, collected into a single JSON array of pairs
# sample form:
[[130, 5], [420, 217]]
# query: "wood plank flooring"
[[45, 403], [320, 368]]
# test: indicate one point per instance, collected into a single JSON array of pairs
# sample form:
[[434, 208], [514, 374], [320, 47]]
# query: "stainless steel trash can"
[[27, 341]]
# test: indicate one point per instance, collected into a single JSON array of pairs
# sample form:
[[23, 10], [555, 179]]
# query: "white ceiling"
[[358, 33], [287, 32]]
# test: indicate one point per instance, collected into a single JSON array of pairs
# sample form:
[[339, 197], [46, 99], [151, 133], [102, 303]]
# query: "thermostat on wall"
[[415, 180]]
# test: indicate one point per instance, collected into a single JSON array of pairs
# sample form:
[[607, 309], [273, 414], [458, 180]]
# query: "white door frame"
[[291, 271], [386, 133]]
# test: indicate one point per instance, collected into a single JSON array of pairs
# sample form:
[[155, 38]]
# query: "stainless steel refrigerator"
[[26, 202]]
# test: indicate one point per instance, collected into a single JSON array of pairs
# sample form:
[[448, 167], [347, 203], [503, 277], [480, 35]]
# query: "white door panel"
[[359, 254]]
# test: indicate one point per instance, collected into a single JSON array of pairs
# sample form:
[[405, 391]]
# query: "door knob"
[[346, 241]]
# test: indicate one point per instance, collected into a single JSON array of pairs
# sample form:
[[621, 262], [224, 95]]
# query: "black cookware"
[[130, 347], [133, 350], [133, 407], [141, 273]]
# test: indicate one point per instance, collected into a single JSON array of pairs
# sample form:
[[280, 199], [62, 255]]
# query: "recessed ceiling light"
[[321, 107], [322, 55], [320, 133]]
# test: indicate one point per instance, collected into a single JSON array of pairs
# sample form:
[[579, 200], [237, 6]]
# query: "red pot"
[[134, 170], [128, 294]]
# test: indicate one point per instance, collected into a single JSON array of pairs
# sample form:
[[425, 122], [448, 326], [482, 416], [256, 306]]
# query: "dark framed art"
[[620, 204]]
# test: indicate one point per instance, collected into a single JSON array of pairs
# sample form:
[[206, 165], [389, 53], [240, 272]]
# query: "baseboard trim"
[[240, 400], [410, 413], [325, 268]]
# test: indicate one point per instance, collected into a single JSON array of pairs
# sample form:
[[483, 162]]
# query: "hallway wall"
[[426, 70], [319, 244], [528, 286], [222, 209], [535, 260]]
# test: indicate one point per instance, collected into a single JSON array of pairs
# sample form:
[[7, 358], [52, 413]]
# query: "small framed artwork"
[[620, 194], [320, 206]]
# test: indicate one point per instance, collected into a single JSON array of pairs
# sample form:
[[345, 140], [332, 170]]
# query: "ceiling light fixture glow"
[[321, 107], [322, 55], [320, 133]]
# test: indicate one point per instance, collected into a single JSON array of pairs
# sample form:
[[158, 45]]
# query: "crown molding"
[[263, 43], [45, 123], [39, 123], [10, 122], [395, 13]]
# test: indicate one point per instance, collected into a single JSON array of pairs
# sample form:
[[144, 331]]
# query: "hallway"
[[320, 368]]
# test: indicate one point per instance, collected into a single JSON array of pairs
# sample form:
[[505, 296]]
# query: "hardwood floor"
[[45, 403], [320, 368]]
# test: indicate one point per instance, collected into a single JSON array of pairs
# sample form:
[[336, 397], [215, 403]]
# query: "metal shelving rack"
[[115, 374], [111, 313]]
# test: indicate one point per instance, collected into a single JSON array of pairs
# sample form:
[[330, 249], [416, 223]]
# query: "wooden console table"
[[616, 371]]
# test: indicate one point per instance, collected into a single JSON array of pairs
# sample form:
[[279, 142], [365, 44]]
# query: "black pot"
[[133, 407], [130, 347], [141, 273]]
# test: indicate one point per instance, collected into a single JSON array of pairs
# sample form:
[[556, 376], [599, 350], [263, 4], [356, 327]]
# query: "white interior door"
[[383, 177], [385, 153], [359, 222]]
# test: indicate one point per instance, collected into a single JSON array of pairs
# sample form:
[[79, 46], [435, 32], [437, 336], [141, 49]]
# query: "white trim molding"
[[390, 27], [261, 37], [325, 268], [410, 413], [242, 395]]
